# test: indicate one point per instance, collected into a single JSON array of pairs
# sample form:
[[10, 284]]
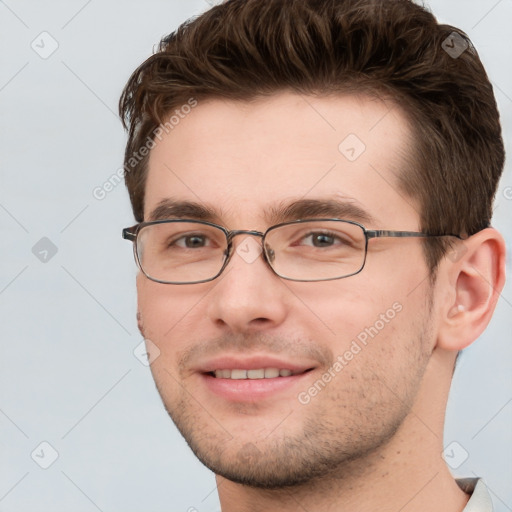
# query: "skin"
[[372, 437]]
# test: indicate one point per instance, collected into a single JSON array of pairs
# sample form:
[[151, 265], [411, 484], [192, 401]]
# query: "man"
[[313, 182]]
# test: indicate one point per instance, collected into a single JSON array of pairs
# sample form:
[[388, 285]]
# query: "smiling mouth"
[[254, 374]]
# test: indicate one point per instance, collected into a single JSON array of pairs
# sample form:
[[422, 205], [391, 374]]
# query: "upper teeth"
[[260, 373]]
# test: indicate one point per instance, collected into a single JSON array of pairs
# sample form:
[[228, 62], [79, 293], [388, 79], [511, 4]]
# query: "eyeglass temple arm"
[[129, 233], [378, 233]]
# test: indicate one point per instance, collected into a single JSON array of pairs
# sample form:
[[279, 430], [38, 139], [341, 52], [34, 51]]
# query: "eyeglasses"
[[177, 251]]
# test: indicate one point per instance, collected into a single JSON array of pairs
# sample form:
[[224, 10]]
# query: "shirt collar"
[[480, 500]]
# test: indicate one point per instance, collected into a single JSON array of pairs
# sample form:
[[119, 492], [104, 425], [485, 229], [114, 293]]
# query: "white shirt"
[[480, 500]]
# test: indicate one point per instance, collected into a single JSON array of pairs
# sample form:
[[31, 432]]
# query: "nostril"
[[260, 322]]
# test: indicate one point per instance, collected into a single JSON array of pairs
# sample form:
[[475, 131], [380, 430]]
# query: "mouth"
[[256, 373], [255, 378]]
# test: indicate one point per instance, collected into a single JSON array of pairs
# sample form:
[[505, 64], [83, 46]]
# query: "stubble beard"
[[333, 441]]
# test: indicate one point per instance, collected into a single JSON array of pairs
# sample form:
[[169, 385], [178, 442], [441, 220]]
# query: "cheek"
[[167, 311], [396, 264], [169, 315], [378, 346], [344, 307], [384, 304]]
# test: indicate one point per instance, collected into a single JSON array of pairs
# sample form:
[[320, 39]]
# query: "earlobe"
[[477, 280]]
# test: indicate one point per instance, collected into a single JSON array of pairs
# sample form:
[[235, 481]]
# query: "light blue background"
[[68, 374]]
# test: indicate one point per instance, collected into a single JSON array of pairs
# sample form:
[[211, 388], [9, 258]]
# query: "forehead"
[[242, 159]]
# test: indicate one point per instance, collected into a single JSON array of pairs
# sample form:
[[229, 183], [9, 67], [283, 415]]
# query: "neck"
[[406, 474]]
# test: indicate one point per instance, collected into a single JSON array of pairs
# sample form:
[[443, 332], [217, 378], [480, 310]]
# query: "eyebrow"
[[345, 208], [315, 208], [173, 209]]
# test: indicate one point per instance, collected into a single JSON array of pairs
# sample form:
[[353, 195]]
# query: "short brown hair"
[[244, 49]]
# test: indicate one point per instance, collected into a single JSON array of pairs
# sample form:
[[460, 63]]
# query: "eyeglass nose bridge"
[[236, 232], [268, 252]]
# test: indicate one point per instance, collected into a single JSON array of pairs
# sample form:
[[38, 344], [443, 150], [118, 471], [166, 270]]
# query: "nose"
[[248, 296]]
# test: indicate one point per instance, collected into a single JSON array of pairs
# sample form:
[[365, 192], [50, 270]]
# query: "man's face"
[[357, 347]]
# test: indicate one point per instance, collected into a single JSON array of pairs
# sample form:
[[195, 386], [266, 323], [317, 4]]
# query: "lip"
[[251, 390], [231, 362]]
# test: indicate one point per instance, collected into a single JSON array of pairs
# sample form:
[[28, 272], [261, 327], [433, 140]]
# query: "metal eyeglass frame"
[[132, 232]]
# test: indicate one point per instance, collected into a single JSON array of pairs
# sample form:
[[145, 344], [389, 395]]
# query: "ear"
[[475, 276]]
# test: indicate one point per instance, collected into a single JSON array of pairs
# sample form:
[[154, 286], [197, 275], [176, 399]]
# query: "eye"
[[191, 241], [194, 241], [321, 240]]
